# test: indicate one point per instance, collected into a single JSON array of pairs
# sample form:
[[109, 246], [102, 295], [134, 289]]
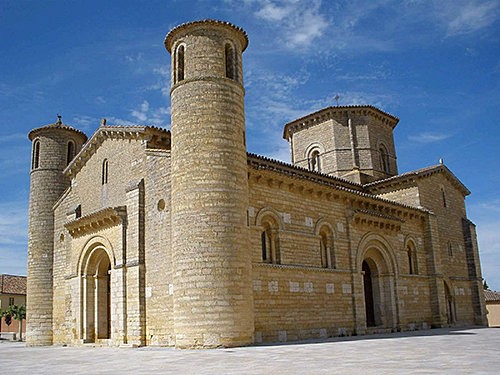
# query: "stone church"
[[143, 236]]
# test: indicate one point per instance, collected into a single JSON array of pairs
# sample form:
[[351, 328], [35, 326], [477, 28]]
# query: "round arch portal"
[[96, 294], [377, 268]]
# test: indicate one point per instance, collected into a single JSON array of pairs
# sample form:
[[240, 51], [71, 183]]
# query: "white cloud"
[[298, 23], [466, 16], [427, 137], [271, 12], [141, 113], [84, 122], [145, 115], [161, 76], [281, 152], [100, 100]]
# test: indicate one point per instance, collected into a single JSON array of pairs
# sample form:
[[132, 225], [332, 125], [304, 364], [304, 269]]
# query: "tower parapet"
[[213, 303], [54, 146]]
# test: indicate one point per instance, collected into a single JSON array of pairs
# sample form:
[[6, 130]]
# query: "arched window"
[[231, 62], [269, 241], [314, 160], [35, 161], [105, 166], [450, 249], [179, 73], [384, 158], [326, 248], [70, 155], [412, 259]]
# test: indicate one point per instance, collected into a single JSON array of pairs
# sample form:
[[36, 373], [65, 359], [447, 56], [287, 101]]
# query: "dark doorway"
[[368, 289]]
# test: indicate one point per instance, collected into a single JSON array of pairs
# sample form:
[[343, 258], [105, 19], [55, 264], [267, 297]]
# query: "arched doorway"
[[377, 271], [96, 296], [378, 290], [368, 290]]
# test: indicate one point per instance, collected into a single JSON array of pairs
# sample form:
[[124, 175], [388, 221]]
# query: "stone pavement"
[[438, 351]]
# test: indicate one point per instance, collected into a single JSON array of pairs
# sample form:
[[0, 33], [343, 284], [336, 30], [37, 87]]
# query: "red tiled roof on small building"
[[490, 296], [10, 284]]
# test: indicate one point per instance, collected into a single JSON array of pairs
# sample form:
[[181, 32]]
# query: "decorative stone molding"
[[106, 218], [377, 220]]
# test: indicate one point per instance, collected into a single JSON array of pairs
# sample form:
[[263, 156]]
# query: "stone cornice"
[[155, 138], [333, 112], [262, 162], [105, 218], [335, 188], [377, 220], [298, 267]]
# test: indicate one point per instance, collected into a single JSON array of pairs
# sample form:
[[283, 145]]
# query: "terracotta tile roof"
[[57, 125], [10, 284], [329, 112], [490, 295], [170, 35]]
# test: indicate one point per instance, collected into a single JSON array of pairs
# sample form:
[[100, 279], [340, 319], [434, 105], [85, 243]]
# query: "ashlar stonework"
[[143, 236]]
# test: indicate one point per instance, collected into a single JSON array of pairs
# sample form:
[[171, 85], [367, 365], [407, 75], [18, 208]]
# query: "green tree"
[[17, 313]]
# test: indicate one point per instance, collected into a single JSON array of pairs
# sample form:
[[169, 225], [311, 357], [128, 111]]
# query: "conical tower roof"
[[57, 125]]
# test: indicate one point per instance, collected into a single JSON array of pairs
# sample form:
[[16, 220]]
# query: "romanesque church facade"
[[144, 236]]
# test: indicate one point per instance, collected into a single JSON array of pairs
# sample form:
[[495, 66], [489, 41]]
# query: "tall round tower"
[[54, 146], [213, 302]]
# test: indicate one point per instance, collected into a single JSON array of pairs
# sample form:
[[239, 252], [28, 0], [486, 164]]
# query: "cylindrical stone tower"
[[54, 146], [213, 303]]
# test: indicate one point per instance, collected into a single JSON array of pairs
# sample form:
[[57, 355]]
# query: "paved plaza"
[[438, 351]]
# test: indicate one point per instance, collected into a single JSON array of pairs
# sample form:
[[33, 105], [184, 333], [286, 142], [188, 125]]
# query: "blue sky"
[[433, 63]]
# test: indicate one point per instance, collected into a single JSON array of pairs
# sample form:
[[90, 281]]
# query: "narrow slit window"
[[263, 238], [71, 152], [443, 195], [324, 251], [35, 162], [384, 159], [180, 63], [230, 62], [105, 168], [410, 261]]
